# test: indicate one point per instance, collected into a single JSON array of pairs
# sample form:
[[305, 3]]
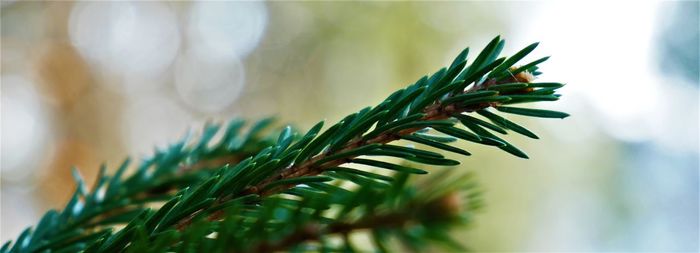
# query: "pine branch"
[[114, 200], [255, 187], [442, 210], [425, 104], [278, 224]]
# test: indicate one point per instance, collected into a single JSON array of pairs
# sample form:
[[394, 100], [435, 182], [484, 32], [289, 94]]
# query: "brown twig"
[[314, 232]]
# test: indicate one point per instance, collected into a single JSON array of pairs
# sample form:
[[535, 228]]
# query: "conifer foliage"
[[263, 190]]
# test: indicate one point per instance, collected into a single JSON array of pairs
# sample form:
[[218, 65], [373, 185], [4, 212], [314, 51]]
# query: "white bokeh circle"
[[128, 40], [24, 129], [226, 29], [209, 85]]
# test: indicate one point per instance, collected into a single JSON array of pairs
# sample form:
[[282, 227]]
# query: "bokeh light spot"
[[24, 118], [132, 40], [209, 85], [226, 29]]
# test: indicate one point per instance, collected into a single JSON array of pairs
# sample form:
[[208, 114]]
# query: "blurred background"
[[90, 82]]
